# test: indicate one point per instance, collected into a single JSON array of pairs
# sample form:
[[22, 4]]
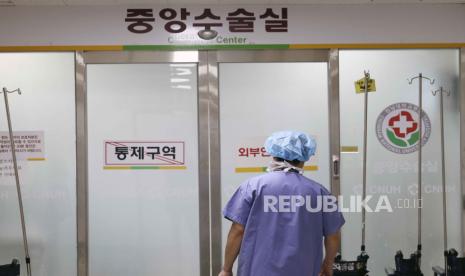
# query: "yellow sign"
[[349, 149], [360, 86]]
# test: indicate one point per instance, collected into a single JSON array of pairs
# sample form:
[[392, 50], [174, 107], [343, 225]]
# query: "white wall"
[[48, 186], [395, 175]]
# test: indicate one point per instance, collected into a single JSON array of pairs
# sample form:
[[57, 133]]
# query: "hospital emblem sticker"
[[398, 130]]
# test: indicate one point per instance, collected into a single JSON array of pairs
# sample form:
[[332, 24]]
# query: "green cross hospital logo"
[[398, 130]]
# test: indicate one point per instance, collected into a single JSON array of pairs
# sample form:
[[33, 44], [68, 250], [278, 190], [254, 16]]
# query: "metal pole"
[[420, 189], [18, 186], [443, 163], [420, 78], [444, 196], [461, 105], [364, 177]]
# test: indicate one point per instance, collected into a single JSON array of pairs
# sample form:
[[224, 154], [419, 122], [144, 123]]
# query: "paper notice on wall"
[[360, 86], [29, 145], [250, 156]]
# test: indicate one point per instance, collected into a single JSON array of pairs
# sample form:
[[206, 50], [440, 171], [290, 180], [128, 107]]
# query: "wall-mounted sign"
[[398, 130], [139, 155], [178, 20]]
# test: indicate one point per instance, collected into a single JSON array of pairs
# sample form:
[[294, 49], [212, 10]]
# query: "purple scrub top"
[[288, 243]]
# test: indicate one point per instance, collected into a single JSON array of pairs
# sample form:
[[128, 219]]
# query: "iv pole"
[[364, 180], [358, 267], [18, 186], [420, 78], [441, 91]]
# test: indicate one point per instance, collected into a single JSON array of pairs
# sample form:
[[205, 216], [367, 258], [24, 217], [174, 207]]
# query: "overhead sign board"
[[148, 25]]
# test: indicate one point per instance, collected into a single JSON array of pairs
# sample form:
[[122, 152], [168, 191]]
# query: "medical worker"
[[278, 227]]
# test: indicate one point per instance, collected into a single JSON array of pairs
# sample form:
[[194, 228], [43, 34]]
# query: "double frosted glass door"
[[143, 169], [155, 187]]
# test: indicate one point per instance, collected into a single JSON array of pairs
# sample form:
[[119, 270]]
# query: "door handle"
[[336, 166]]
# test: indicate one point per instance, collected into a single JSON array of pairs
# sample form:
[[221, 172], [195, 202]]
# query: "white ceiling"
[[193, 2]]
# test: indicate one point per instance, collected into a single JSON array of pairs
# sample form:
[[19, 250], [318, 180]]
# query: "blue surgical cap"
[[291, 145]]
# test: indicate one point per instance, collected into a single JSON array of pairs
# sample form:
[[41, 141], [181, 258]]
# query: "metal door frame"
[[84, 58], [208, 132], [331, 57]]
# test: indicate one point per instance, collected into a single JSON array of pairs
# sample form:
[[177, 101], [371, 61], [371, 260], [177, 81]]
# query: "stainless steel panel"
[[81, 163], [204, 166], [334, 121], [141, 57], [215, 163]]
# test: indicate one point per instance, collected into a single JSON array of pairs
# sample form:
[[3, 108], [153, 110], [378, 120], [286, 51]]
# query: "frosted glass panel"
[[257, 99], [395, 173], [143, 206], [43, 118]]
